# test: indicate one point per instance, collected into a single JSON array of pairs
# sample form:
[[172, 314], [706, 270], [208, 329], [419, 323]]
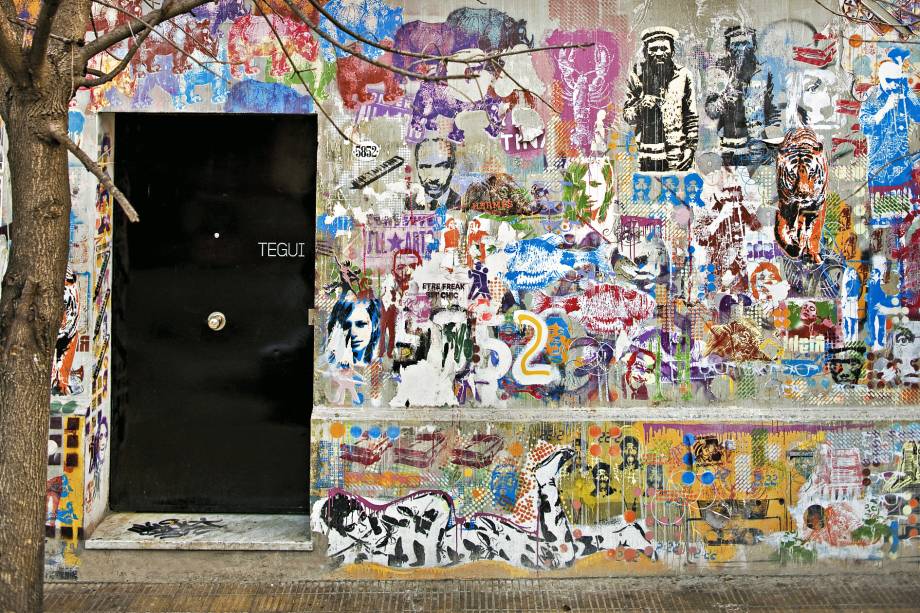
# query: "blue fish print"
[[537, 262]]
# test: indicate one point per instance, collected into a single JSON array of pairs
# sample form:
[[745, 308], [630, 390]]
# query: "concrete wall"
[[590, 493], [729, 238]]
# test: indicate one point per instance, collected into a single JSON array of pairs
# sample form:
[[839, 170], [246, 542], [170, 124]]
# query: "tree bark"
[[31, 306]]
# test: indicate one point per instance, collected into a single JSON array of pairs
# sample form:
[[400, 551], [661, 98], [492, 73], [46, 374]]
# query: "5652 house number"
[[282, 250]]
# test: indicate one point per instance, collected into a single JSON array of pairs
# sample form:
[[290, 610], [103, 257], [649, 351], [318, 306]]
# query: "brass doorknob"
[[217, 321]]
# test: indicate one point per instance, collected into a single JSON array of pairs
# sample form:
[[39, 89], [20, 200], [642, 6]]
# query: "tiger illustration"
[[801, 181]]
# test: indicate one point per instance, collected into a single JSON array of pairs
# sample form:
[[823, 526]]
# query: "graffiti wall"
[[603, 204], [723, 214], [610, 496], [718, 214]]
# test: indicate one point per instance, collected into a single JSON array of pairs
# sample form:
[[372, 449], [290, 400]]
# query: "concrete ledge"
[[201, 531], [802, 414]]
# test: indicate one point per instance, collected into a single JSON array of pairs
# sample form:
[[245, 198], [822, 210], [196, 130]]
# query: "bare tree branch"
[[108, 76], [192, 37], [42, 34], [169, 9], [97, 170], [361, 56], [443, 58], [11, 56], [25, 23], [108, 52], [297, 72], [187, 33], [902, 29], [522, 88], [165, 38]]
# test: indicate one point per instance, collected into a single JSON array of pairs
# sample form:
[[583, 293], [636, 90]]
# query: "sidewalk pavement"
[[729, 594]]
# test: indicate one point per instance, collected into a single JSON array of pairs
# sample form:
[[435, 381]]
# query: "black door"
[[213, 419]]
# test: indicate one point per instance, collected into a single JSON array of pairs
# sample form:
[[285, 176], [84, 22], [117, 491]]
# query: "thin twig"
[[97, 170], [42, 33], [878, 40], [361, 56], [448, 58], [299, 76], [169, 9], [106, 77], [193, 38], [524, 89], [11, 56], [107, 51], [25, 23], [167, 39], [860, 19]]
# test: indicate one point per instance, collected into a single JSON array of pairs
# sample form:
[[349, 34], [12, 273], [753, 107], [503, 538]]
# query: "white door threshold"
[[202, 531]]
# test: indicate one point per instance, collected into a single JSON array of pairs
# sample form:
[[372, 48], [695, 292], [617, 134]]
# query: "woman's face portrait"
[[353, 329], [103, 438], [361, 327]]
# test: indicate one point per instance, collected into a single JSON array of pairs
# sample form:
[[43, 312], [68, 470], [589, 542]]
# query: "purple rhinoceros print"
[[488, 29], [433, 100], [221, 11], [428, 38], [165, 79]]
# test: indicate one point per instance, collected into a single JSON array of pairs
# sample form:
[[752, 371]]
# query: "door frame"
[[103, 341]]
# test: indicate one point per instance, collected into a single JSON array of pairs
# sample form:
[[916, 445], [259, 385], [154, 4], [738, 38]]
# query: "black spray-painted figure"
[[741, 100], [661, 104], [423, 529]]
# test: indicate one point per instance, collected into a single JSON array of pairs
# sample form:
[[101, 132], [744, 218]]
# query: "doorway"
[[212, 352]]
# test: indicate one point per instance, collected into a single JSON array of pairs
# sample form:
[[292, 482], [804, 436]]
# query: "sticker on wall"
[[365, 150]]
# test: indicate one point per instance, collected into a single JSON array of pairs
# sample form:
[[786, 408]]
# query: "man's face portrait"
[[651, 260], [361, 327], [739, 48], [434, 162], [809, 313], [629, 449], [844, 220], [906, 351], [641, 185], [818, 99], [403, 265], [876, 275], [767, 285], [659, 51], [640, 371], [847, 368], [891, 77]]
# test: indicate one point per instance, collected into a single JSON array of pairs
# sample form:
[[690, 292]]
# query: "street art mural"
[[746, 248], [612, 496], [624, 205]]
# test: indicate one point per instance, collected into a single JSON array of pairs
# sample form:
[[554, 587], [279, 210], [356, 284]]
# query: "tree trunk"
[[30, 314]]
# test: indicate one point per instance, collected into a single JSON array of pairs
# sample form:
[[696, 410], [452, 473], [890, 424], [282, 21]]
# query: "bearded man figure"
[[661, 105], [741, 100]]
